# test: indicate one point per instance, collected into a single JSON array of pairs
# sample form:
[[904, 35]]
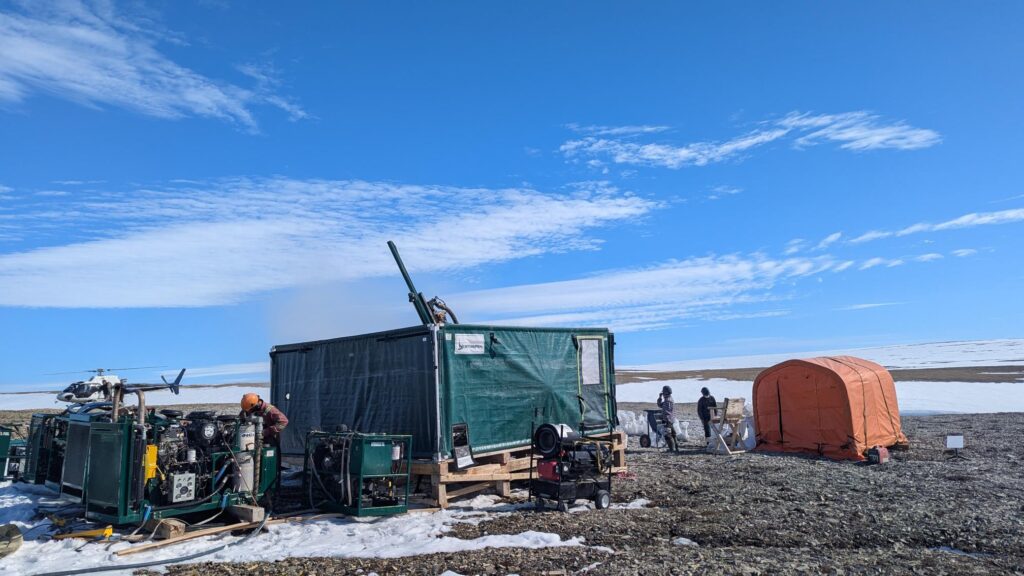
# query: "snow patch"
[[915, 398], [684, 542], [388, 537], [929, 355]]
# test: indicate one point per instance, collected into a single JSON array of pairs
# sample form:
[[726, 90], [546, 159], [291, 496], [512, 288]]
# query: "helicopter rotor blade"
[[95, 370]]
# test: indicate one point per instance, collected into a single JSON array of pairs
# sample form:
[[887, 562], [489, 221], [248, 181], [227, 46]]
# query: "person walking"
[[704, 406]]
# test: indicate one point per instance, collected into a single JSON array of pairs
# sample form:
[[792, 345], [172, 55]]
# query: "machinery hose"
[[151, 563]]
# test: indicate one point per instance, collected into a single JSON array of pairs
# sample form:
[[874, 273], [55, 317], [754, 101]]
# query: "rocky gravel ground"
[[764, 514]]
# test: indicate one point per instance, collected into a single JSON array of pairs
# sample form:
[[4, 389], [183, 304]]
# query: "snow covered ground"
[[914, 397], [931, 355], [188, 395], [388, 537]]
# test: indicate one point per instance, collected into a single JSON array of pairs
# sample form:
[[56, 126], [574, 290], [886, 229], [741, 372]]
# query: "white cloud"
[[964, 252], [708, 288], [966, 221], [887, 262], [631, 130], [793, 246], [668, 156], [261, 369], [719, 192], [87, 53], [928, 257], [843, 265], [869, 236], [867, 306], [224, 241], [829, 240], [858, 131]]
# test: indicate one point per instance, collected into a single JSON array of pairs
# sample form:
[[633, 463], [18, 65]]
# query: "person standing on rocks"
[[668, 411], [704, 406]]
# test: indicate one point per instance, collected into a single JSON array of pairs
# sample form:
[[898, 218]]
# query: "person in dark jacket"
[[704, 406], [274, 421]]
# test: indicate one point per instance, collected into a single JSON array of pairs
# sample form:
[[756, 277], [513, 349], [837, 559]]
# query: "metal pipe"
[[417, 299], [257, 459]]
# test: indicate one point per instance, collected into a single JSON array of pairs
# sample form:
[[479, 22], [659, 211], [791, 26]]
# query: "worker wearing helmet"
[[668, 413], [274, 421]]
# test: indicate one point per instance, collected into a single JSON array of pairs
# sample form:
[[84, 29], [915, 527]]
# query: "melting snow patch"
[[684, 542], [387, 537], [638, 503]]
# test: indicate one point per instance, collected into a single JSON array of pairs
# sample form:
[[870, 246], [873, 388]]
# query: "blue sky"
[[186, 184]]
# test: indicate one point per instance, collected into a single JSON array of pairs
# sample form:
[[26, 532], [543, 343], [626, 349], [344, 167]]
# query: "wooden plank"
[[188, 536], [469, 489], [490, 478], [219, 529]]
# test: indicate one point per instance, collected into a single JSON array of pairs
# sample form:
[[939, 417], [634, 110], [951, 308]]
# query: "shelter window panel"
[[593, 378], [590, 362]]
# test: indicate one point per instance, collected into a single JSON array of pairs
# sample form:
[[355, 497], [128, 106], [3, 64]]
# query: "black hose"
[[157, 562]]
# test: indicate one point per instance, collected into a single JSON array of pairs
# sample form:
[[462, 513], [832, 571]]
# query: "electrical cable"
[[157, 562]]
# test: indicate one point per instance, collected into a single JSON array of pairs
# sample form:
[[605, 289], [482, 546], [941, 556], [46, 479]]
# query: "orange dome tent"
[[837, 407]]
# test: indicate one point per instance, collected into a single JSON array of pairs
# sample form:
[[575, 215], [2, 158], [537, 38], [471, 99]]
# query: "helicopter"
[[100, 387]]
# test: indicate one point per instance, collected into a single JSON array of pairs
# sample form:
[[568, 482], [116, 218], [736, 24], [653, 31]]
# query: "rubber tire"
[[602, 499], [563, 507], [645, 441]]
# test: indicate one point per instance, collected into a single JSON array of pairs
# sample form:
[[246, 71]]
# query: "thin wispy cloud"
[[89, 53], [707, 288], [930, 257], [261, 369], [793, 246], [964, 252], [632, 130], [966, 221], [859, 130], [829, 240], [854, 307], [719, 192], [220, 242], [877, 261], [856, 131]]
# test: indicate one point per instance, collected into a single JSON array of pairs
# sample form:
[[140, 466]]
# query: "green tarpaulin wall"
[[497, 380]]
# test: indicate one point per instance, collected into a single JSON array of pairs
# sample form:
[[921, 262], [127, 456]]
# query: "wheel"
[[563, 506], [602, 499], [645, 441]]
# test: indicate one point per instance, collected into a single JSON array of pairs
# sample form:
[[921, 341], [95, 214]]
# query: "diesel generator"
[[358, 474], [127, 465], [174, 465]]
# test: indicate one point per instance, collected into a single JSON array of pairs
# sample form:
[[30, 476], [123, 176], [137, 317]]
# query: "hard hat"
[[249, 401]]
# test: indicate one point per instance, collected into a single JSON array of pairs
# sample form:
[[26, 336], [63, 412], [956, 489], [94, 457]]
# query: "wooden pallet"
[[495, 470]]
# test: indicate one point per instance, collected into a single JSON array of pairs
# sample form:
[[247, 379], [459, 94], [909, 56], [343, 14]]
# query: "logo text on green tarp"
[[469, 343]]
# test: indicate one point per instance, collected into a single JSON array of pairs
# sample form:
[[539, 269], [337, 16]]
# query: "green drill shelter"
[[430, 380]]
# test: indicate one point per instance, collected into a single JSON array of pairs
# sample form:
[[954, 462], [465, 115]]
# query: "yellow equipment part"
[[150, 461], [97, 533]]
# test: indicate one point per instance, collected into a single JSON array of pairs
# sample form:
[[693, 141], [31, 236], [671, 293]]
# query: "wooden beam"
[[469, 489]]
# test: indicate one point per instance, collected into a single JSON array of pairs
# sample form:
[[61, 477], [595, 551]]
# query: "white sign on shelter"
[[469, 343]]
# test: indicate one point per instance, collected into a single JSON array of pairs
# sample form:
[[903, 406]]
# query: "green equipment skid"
[[358, 474], [181, 466]]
